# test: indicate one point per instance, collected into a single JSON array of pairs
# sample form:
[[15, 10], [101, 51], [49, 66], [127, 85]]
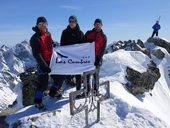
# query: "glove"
[[98, 62], [45, 69], [91, 41], [54, 45]]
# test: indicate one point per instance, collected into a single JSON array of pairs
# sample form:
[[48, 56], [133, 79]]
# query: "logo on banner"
[[59, 57], [62, 59]]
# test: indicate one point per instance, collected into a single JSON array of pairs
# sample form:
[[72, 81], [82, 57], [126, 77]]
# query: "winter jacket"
[[100, 40], [42, 48], [71, 36], [156, 27]]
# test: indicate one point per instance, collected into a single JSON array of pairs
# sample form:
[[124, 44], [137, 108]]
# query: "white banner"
[[73, 59]]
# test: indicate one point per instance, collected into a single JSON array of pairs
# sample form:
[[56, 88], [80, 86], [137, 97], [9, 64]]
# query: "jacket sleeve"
[[87, 37], [159, 26], [53, 43], [82, 37], [62, 40], [36, 52], [153, 26], [99, 59]]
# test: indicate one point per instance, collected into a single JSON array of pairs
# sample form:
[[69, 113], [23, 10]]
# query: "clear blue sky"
[[122, 19]]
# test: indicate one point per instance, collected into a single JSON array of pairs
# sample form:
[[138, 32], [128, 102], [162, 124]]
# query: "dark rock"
[[33, 126], [16, 124], [142, 82], [140, 43], [127, 45], [158, 53], [3, 124], [28, 92], [13, 104], [160, 42], [140, 47], [33, 119], [29, 79], [137, 47]]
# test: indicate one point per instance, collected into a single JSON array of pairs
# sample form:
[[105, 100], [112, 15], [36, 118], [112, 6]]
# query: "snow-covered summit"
[[122, 110]]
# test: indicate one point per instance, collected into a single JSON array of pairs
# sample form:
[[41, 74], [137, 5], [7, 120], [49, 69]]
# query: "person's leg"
[[78, 87], [95, 79], [55, 89], [156, 33], [88, 84], [42, 85], [70, 80], [78, 82], [153, 34]]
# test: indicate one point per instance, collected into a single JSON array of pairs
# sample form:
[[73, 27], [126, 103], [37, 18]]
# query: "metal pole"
[[159, 18], [98, 111], [86, 116]]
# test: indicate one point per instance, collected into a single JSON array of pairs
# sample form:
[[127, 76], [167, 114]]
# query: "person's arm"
[[99, 58], [62, 40], [37, 55], [104, 47], [159, 26], [82, 37], [88, 37], [51, 40], [153, 26]]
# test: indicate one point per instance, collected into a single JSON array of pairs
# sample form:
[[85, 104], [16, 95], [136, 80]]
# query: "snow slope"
[[122, 110], [12, 62]]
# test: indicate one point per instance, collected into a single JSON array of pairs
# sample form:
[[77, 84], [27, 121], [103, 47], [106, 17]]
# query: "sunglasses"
[[42, 24], [72, 21]]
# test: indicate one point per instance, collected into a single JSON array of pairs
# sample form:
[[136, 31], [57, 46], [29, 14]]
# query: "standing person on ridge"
[[156, 27]]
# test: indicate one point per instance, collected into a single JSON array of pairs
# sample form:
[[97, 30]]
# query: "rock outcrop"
[[29, 79], [160, 42], [140, 83], [138, 45]]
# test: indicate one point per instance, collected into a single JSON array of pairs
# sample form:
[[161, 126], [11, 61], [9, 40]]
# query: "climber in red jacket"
[[42, 48], [97, 36]]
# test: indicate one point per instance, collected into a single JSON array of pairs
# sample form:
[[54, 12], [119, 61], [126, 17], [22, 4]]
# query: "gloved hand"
[[98, 62], [45, 69], [91, 41], [54, 45]]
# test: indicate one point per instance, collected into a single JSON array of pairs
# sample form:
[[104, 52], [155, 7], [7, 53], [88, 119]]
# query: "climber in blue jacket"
[[156, 28]]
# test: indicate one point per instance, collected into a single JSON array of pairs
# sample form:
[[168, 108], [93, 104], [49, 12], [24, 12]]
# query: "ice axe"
[[159, 18]]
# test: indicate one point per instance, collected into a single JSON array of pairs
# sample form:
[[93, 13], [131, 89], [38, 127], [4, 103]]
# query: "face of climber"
[[98, 26], [72, 23], [42, 26]]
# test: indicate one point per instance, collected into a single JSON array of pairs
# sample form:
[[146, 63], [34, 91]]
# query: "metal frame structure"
[[92, 97]]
